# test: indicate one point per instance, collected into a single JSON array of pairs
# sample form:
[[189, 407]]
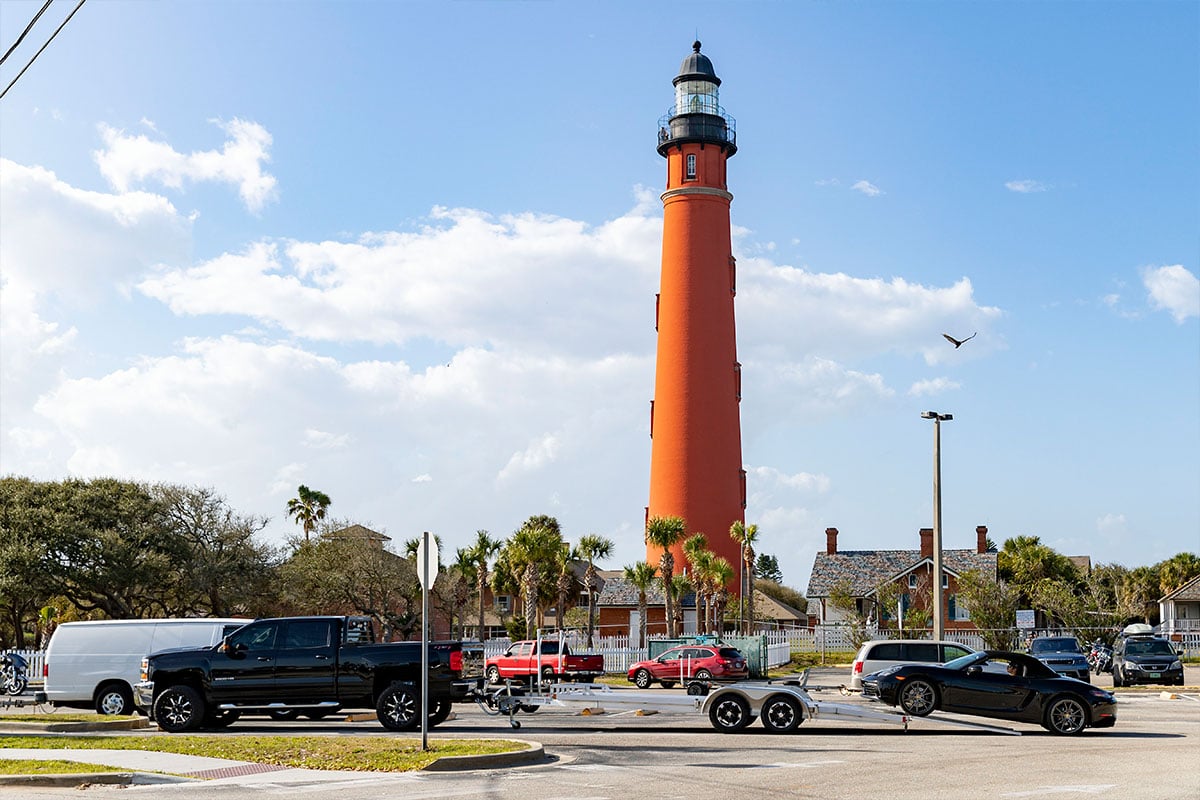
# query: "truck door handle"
[[322, 658], [263, 658]]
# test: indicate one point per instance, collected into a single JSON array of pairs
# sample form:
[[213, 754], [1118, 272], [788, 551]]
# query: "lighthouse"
[[696, 446]]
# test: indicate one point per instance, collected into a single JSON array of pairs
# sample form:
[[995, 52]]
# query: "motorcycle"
[[13, 678], [1099, 657]]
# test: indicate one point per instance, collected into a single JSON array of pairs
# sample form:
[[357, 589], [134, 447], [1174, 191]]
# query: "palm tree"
[[564, 562], [481, 552], [745, 536], [463, 570], [695, 549], [680, 586], [593, 548], [641, 576], [721, 572], [665, 533], [533, 546], [308, 508]]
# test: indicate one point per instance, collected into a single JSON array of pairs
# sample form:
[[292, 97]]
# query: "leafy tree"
[[462, 573], [843, 599], [641, 576], [565, 583], [784, 594], [1024, 560], [745, 536], [699, 557], [308, 508], [720, 572], [1176, 571], [528, 555], [664, 533], [993, 607], [767, 568]]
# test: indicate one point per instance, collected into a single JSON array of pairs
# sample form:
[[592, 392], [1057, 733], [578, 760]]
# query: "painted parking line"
[[1045, 791]]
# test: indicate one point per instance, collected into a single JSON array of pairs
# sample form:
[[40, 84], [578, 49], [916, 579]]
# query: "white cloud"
[[771, 478], [933, 387], [1173, 289], [540, 453], [425, 478], [127, 160], [322, 440], [1026, 186], [867, 188]]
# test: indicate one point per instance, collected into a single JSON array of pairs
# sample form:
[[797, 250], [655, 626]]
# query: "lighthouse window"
[[696, 97], [691, 167]]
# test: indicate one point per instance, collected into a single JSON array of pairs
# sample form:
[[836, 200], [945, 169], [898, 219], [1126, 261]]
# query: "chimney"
[[831, 541], [981, 539], [926, 542]]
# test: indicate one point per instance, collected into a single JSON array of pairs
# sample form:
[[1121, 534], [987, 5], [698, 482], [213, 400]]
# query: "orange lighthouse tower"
[[696, 445]]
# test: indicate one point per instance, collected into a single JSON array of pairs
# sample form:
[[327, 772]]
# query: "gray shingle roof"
[[1189, 592], [619, 592], [863, 570]]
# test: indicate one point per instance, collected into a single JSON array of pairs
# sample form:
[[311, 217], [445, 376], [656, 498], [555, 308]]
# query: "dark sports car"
[[997, 684]]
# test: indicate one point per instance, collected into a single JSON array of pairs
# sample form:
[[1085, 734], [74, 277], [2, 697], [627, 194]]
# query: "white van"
[[96, 664], [883, 653]]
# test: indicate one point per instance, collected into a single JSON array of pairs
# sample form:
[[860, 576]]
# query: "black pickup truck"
[[300, 665]]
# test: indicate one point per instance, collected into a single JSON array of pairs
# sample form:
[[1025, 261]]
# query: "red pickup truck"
[[552, 663]]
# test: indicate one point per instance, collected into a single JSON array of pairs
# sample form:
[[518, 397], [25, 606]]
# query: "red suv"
[[702, 662]]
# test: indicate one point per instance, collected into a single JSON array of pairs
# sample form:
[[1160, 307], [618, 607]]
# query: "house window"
[[912, 580], [503, 602], [905, 603], [691, 167], [945, 581]]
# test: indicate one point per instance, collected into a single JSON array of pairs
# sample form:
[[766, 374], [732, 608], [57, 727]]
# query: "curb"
[[534, 753], [136, 723], [80, 779]]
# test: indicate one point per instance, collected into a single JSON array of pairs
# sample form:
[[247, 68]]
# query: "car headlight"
[[1176, 665]]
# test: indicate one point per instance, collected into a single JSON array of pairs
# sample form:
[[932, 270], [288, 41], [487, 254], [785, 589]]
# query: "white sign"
[[1025, 618], [434, 557]]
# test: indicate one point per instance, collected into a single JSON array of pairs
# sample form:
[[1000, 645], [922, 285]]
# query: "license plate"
[[1155, 674]]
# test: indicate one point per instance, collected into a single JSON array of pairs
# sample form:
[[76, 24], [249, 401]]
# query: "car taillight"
[[456, 660], [858, 667], [45, 670]]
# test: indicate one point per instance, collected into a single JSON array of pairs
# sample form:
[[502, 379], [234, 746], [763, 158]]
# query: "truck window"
[[551, 649], [309, 633], [523, 650], [260, 636]]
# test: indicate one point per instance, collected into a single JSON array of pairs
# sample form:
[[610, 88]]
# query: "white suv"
[[883, 653]]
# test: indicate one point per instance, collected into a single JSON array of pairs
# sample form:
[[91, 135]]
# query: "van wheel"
[[114, 699], [179, 709]]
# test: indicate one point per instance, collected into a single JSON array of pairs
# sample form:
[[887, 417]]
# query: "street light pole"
[[939, 617]]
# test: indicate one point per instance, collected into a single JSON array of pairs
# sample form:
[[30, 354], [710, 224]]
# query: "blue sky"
[[406, 253]]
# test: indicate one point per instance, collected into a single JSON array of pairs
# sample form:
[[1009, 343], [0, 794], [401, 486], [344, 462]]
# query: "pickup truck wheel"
[[642, 679], [221, 719], [729, 713], [668, 684], [114, 699], [547, 674], [179, 709], [439, 712], [284, 714], [398, 708], [493, 675]]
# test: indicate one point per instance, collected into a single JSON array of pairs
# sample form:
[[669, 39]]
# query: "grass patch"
[[9, 766], [361, 753]]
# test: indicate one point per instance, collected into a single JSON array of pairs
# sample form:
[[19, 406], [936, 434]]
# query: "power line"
[[43, 47], [25, 32]]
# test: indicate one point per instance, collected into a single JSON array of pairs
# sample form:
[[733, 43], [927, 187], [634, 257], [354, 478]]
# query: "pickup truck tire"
[[493, 675], [221, 719], [642, 679], [398, 708], [668, 684], [178, 709], [439, 712], [547, 674]]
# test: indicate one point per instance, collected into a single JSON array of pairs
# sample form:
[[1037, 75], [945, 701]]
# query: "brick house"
[[861, 571]]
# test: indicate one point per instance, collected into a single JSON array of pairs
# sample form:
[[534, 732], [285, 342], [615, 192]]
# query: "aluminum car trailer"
[[780, 706]]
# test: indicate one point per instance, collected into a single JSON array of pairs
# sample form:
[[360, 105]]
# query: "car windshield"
[[1154, 647], [964, 661], [1057, 645]]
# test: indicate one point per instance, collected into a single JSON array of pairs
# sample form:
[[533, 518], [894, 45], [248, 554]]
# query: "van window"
[[953, 651], [888, 651], [923, 652]]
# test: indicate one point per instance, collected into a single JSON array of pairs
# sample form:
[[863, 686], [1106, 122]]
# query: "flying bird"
[[957, 344]]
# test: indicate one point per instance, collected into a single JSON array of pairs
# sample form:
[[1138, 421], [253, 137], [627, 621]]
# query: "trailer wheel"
[[781, 714], [397, 708], [729, 713]]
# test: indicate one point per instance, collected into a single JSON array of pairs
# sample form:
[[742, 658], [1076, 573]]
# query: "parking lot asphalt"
[[1151, 753]]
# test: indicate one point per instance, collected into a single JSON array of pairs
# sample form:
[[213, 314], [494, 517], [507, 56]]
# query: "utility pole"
[[939, 614]]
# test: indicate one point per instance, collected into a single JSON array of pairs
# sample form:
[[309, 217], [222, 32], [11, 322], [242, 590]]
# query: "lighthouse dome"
[[697, 66]]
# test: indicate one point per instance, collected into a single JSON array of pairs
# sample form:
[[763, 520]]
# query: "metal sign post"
[[427, 571]]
